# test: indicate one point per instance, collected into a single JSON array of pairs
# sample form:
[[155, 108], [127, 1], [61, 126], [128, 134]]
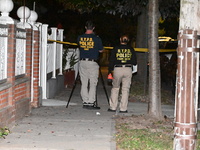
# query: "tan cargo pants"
[[121, 75], [89, 72]]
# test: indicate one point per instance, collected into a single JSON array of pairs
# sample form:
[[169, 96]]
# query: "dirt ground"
[[145, 122]]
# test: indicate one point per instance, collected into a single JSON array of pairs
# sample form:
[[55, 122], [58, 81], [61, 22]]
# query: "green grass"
[[138, 92], [4, 132], [142, 139], [157, 136], [198, 140]]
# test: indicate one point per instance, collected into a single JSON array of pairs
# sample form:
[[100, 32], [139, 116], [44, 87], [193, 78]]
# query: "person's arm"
[[78, 39], [111, 61], [134, 58], [100, 45]]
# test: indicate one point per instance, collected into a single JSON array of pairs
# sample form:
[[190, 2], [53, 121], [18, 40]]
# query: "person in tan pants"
[[90, 46], [122, 59]]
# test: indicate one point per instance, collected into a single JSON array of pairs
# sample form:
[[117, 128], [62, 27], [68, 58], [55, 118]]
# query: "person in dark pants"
[[90, 46], [122, 59]]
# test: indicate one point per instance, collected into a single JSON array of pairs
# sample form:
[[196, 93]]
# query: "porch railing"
[[51, 55]]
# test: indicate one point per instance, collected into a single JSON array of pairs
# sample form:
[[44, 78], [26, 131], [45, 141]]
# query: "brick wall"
[[7, 112], [15, 93]]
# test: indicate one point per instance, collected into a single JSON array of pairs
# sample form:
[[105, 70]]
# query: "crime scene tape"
[[136, 49], [61, 42]]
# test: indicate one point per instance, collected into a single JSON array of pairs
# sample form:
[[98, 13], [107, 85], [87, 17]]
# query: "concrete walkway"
[[55, 127]]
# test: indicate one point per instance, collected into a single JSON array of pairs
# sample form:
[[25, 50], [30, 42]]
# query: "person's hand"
[[101, 51]]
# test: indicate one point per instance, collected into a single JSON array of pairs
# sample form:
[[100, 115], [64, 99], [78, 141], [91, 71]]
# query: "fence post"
[[35, 92], [44, 60], [53, 37], [60, 50]]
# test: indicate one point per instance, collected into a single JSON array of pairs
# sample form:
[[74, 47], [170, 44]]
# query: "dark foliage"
[[112, 17], [167, 8]]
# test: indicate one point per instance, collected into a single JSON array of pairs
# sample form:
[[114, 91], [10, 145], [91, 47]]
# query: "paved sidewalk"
[[55, 127]]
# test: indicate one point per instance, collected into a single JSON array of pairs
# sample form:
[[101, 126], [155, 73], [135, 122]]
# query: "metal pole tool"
[[74, 86]]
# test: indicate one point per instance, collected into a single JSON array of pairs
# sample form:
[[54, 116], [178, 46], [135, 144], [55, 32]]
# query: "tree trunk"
[[154, 62], [187, 76], [142, 42]]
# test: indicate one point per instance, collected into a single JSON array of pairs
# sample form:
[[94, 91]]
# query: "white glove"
[[134, 69]]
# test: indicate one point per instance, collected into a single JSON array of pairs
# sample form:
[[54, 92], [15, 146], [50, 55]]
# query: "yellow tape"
[[136, 49], [167, 50], [160, 50], [68, 43]]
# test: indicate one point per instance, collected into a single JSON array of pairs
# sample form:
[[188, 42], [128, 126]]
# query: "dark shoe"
[[123, 111], [110, 110], [90, 106], [93, 107], [85, 105]]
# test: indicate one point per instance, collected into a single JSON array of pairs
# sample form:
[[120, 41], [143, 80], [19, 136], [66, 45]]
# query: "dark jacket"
[[90, 45], [121, 55]]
